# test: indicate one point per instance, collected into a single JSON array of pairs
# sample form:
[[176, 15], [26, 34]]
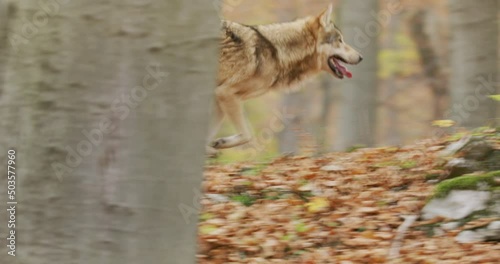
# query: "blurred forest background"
[[106, 102], [412, 85]]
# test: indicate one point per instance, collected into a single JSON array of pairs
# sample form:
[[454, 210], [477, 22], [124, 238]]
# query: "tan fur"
[[256, 59]]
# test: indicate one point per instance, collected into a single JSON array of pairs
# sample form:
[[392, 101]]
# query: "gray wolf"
[[254, 60]]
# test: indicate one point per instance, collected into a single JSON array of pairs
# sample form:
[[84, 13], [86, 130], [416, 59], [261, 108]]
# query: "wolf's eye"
[[329, 39]]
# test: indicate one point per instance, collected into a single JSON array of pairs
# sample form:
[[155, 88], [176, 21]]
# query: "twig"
[[398, 240]]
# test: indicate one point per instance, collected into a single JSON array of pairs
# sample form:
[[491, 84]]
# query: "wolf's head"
[[332, 49]]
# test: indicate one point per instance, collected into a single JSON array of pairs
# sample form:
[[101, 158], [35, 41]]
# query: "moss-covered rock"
[[477, 149], [473, 152], [492, 162], [468, 182], [460, 166]]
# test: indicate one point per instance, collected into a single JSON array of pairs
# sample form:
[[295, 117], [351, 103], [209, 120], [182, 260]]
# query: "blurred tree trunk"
[[474, 61], [288, 138], [291, 103], [4, 22], [359, 95], [107, 106], [328, 84], [392, 135], [430, 62], [327, 92]]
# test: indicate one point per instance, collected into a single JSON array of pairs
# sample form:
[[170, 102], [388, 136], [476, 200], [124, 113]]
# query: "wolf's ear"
[[326, 17]]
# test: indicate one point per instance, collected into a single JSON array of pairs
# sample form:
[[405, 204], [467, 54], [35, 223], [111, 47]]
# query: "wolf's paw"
[[211, 152], [229, 142], [219, 143]]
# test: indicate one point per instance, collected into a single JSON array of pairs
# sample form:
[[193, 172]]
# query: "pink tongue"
[[344, 71]]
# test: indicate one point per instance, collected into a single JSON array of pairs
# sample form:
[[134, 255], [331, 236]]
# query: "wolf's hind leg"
[[218, 119], [233, 108]]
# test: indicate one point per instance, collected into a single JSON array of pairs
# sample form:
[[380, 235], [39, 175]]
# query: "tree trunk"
[[474, 62], [4, 23], [357, 124], [106, 105], [291, 103], [392, 135], [430, 62], [327, 85]]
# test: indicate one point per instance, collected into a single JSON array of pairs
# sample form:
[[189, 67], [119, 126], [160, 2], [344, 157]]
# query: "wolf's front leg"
[[233, 108], [229, 142], [218, 119], [211, 152]]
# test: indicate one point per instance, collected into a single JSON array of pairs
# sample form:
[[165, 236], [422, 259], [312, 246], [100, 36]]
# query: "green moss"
[[245, 199], [360, 229], [409, 164], [355, 147], [386, 164], [456, 137], [206, 216], [428, 229], [405, 165], [254, 171], [475, 215], [466, 182], [286, 237], [431, 176], [301, 227], [482, 131]]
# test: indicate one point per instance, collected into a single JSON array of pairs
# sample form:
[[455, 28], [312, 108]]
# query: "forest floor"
[[337, 208]]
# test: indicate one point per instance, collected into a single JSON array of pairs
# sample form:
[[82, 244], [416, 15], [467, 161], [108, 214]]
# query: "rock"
[[460, 166], [492, 232], [477, 149], [471, 147], [454, 147], [438, 231], [450, 225], [457, 204], [237, 215], [492, 162], [331, 183], [435, 148], [494, 205], [269, 247], [469, 237], [360, 242], [475, 154], [311, 187], [495, 225], [333, 168], [368, 210], [218, 198]]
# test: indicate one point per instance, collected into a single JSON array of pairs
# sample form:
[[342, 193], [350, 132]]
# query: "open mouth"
[[338, 69]]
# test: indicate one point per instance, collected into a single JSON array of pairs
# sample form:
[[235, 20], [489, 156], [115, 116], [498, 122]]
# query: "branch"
[[398, 239]]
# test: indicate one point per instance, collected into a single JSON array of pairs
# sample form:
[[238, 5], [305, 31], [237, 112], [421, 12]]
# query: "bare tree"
[[327, 93], [474, 61], [4, 22], [292, 103], [430, 60], [359, 95], [106, 104], [329, 90]]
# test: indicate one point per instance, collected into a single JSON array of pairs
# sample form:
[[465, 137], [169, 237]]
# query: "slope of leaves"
[[338, 208]]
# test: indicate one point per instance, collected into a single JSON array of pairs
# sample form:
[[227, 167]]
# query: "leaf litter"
[[338, 208]]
